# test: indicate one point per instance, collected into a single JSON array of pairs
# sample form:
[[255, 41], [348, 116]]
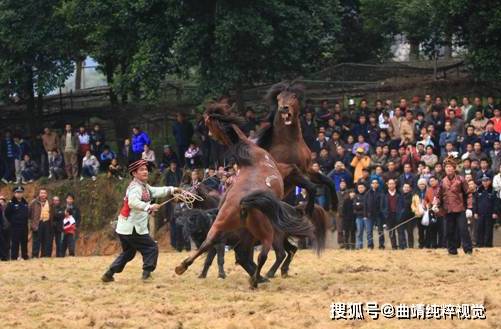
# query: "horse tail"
[[283, 216], [320, 220], [319, 178]]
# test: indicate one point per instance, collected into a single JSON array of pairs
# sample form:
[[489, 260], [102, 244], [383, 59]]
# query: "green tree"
[[236, 44], [481, 35], [34, 48], [379, 27], [130, 39]]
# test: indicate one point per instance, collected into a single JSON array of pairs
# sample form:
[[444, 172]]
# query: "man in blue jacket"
[[139, 139]]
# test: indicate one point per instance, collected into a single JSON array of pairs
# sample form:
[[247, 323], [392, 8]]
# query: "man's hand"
[[154, 207], [494, 216], [177, 190]]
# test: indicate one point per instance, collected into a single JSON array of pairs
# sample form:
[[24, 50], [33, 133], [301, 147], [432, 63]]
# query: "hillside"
[[67, 293]]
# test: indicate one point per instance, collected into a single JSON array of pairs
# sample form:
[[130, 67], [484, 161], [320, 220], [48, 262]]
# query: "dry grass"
[[67, 293]]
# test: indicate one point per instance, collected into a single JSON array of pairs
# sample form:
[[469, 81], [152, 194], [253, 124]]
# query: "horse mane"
[[227, 122], [265, 135], [290, 86], [196, 223]]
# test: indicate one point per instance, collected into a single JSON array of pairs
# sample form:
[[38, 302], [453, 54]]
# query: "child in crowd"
[[115, 170], [69, 228]]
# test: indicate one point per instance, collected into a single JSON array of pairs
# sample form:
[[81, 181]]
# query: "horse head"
[[285, 97], [221, 123]]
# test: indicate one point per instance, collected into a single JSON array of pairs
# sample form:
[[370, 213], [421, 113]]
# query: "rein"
[[404, 222], [185, 197]]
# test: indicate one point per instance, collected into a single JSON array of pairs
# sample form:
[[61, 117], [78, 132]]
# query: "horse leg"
[[220, 260], [319, 178], [208, 262], [244, 252], [299, 179], [291, 251], [212, 238], [261, 260], [278, 245]]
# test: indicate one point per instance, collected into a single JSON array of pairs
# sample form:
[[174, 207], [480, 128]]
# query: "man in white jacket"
[[132, 226]]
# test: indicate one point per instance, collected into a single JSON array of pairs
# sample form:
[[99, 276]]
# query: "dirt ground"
[[67, 293]]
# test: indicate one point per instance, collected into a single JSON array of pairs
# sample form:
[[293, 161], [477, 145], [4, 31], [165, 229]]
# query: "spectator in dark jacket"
[[407, 177], [389, 209], [349, 221], [183, 132], [308, 129], [17, 214], [105, 158], [168, 156], [362, 222], [139, 140], [485, 212], [4, 231], [30, 170], [325, 161], [55, 161], [57, 224], [320, 143], [489, 137], [173, 175], [373, 201], [405, 231], [97, 137]]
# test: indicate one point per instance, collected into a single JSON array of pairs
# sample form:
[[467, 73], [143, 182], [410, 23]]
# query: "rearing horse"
[[251, 206], [284, 140]]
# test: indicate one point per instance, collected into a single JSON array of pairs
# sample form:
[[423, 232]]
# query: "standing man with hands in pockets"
[[132, 226]]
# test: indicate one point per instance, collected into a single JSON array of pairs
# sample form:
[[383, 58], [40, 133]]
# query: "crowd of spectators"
[[386, 161]]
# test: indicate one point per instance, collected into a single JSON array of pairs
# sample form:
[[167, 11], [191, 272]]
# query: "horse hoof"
[[201, 276], [270, 275], [222, 276], [180, 269], [263, 280], [253, 283], [285, 274]]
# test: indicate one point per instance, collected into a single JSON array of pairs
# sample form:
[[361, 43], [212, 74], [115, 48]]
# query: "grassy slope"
[[66, 293]]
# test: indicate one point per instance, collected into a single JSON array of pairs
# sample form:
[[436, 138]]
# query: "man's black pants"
[[391, 221], [45, 237], [19, 239], [130, 245], [456, 222]]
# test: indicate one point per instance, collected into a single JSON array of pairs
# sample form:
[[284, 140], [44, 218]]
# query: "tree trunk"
[[448, 47], [414, 50], [29, 94], [78, 74], [109, 68]]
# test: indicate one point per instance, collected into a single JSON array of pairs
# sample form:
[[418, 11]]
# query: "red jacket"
[[497, 124]]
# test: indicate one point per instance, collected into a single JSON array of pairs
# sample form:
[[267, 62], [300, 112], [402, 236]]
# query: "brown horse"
[[284, 140], [251, 206]]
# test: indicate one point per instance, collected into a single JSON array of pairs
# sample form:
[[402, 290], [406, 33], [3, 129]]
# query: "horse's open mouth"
[[287, 118]]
